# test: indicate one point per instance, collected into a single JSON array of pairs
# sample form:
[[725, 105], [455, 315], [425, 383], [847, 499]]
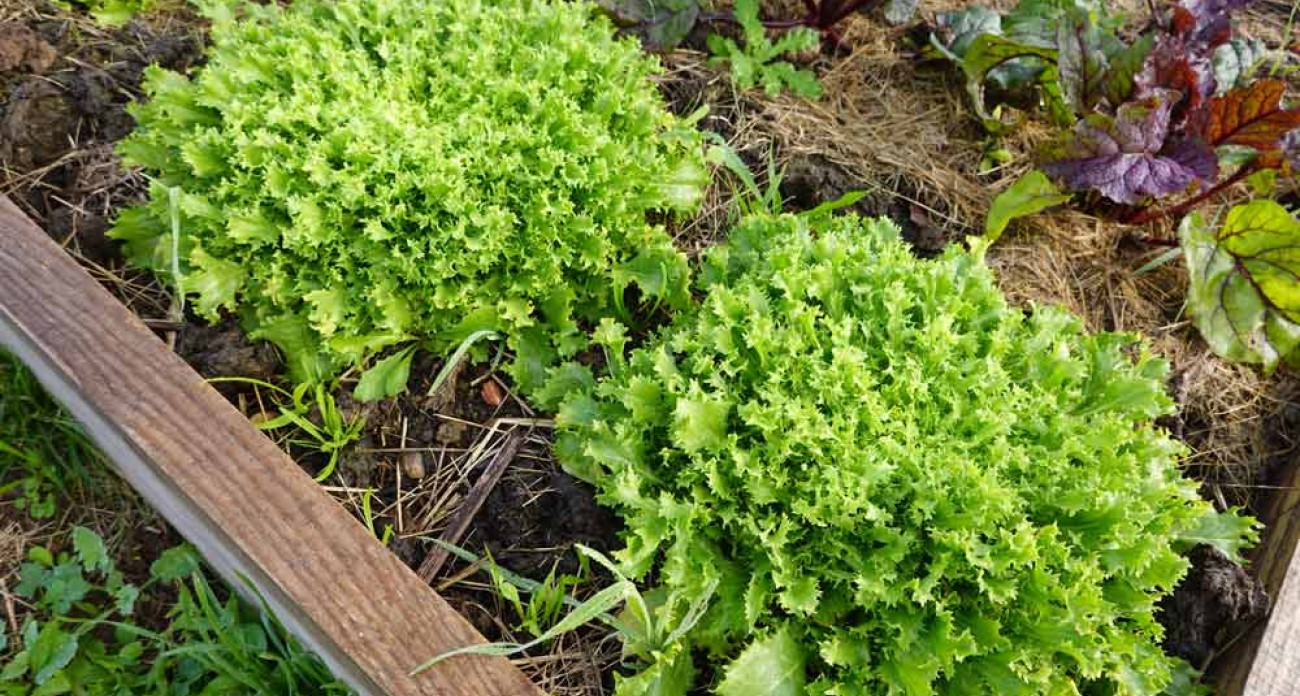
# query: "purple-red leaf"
[[1173, 65], [1125, 158], [1206, 23], [1250, 117]]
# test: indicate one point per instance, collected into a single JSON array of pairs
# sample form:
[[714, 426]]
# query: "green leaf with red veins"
[[1082, 61], [1244, 289]]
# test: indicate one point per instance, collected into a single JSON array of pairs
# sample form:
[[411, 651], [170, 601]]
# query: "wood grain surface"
[[1266, 660], [253, 513]]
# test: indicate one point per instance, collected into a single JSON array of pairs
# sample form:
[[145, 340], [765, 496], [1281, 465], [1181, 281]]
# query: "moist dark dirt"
[[1215, 602], [64, 89]]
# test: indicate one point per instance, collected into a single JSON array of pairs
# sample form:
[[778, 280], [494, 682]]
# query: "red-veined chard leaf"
[[1126, 158], [1250, 117], [1205, 22], [988, 52], [1082, 61], [1173, 65], [1244, 289], [1032, 193], [661, 24]]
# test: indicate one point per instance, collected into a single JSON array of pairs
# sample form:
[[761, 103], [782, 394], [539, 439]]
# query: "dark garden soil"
[[894, 129]]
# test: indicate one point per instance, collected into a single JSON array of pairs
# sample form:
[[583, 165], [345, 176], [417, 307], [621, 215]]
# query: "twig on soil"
[[474, 500]]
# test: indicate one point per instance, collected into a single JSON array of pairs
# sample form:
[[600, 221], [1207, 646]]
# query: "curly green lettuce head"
[[882, 479], [353, 174]]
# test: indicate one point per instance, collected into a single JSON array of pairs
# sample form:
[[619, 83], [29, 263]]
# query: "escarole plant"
[[882, 479], [356, 175], [1153, 125]]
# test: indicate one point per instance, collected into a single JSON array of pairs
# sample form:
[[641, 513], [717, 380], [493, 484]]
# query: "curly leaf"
[[1125, 158], [671, 674], [1032, 193], [1250, 117], [773, 666], [1245, 283]]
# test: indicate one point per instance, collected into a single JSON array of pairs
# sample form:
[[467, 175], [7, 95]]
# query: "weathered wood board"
[[255, 515], [1266, 660]]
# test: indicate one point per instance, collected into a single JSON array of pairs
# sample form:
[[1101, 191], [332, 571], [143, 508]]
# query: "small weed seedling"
[[82, 637], [312, 416]]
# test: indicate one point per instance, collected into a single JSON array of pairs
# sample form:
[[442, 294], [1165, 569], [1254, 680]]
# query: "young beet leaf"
[[1250, 117], [1126, 158], [1245, 283]]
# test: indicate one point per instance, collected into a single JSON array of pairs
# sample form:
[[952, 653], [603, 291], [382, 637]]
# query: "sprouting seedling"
[[645, 631], [330, 436]]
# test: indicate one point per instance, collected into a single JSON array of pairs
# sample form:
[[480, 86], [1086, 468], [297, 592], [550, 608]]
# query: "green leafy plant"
[[546, 600], [757, 61], [881, 478], [113, 13], [309, 417], [1178, 112], [82, 638], [353, 176], [663, 24], [1243, 291], [44, 454]]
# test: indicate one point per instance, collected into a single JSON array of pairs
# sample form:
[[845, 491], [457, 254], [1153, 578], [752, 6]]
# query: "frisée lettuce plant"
[[356, 176], [882, 479]]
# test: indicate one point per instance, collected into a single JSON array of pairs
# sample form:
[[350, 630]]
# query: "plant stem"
[[1144, 216], [1156, 241]]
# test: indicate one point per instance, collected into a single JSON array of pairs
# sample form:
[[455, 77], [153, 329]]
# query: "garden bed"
[[890, 126]]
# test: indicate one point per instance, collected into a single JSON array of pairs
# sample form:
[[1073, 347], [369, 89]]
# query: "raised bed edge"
[[259, 520], [1265, 661]]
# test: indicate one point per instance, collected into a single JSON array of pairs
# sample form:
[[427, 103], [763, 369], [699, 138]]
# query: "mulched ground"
[[889, 125]]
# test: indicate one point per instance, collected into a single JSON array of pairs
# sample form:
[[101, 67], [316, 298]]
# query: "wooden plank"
[[253, 513], [1266, 660]]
